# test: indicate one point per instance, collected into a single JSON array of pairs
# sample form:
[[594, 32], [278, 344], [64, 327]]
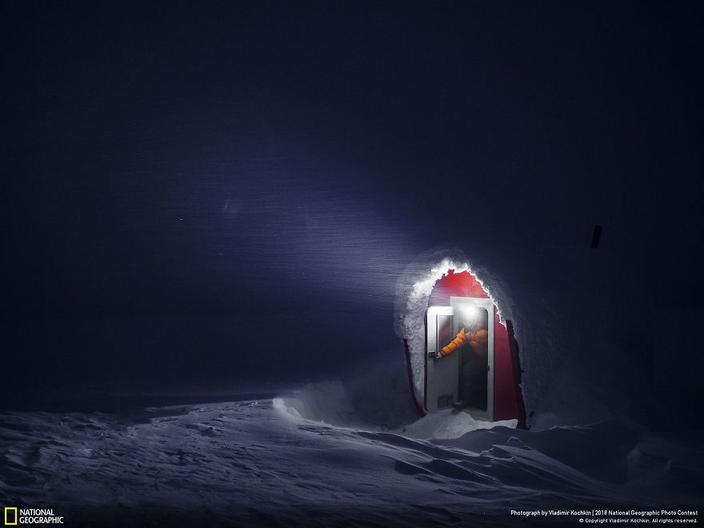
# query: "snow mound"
[[449, 424]]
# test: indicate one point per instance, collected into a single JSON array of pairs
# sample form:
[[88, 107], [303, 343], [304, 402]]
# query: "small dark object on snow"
[[596, 236]]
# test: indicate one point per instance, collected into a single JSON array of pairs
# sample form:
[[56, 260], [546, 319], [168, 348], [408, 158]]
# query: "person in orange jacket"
[[477, 340], [473, 366]]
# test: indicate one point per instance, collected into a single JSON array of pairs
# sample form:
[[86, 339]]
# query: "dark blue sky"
[[179, 177]]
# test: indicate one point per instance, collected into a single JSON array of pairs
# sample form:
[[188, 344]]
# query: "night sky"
[[223, 194]]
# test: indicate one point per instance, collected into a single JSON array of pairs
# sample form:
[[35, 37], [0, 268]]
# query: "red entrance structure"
[[503, 371]]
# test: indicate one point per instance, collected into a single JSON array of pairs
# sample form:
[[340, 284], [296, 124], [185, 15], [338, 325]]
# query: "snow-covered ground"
[[263, 462]]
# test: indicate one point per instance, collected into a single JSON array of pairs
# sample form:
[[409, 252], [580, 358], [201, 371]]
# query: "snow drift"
[[250, 463]]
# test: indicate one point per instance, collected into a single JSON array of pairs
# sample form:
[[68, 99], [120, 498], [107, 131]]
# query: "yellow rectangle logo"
[[10, 516]]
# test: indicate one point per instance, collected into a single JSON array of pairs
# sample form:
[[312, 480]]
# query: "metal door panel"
[[441, 375]]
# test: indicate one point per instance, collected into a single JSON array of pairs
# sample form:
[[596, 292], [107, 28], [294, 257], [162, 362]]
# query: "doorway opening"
[[460, 356], [469, 358]]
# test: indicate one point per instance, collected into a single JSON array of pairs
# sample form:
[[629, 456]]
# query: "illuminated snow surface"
[[261, 463]]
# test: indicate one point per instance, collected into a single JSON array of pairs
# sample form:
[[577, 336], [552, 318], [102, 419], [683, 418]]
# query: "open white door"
[[441, 375]]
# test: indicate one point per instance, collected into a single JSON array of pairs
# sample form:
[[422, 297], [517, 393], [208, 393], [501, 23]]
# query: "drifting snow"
[[379, 402]]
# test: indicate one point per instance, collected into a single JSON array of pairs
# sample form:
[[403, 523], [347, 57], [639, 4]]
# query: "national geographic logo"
[[14, 516]]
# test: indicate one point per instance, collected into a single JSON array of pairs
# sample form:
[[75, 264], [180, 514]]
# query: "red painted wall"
[[508, 399]]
